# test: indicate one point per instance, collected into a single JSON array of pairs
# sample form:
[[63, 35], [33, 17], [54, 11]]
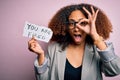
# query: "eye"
[[84, 23], [72, 23]]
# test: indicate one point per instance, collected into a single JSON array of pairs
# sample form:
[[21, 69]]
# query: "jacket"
[[94, 63]]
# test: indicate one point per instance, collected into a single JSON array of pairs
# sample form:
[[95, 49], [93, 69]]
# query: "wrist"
[[100, 44], [41, 59], [98, 39], [41, 52]]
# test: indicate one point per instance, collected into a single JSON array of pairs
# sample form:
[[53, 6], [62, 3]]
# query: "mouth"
[[77, 37]]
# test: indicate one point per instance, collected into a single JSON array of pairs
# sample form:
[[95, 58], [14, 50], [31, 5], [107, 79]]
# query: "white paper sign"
[[39, 32]]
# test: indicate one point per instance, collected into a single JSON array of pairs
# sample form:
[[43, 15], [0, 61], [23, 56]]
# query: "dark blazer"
[[94, 63]]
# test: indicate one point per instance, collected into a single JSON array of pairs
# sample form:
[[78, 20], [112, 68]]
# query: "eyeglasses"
[[72, 23]]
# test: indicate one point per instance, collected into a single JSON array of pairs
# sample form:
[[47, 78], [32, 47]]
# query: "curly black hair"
[[59, 25]]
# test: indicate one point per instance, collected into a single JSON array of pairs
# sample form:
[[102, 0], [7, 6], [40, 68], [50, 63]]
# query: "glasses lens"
[[72, 24], [84, 23]]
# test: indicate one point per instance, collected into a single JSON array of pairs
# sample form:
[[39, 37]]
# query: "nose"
[[76, 28]]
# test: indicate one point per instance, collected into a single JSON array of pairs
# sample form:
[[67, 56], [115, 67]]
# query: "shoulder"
[[53, 47]]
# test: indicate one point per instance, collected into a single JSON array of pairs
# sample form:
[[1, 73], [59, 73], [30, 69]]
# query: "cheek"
[[84, 35], [70, 32]]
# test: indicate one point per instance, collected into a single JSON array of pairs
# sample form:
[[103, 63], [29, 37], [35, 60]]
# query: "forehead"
[[76, 15]]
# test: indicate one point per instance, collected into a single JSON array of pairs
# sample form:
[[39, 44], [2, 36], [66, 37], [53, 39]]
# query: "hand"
[[91, 27], [34, 46]]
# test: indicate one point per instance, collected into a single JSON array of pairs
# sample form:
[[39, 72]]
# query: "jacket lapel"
[[87, 60], [61, 60]]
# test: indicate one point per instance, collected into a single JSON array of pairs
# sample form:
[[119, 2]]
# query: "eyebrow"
[[75, 21]]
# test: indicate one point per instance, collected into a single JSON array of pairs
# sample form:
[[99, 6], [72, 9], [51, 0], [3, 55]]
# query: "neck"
[[77, 46]]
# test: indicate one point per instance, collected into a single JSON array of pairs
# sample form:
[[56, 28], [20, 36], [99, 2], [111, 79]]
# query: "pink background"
[[16, 62]]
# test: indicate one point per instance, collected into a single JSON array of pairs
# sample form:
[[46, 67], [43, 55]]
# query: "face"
[[78, 36]]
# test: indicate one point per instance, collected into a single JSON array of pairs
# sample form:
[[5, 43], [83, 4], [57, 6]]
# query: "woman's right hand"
[[34, 46]]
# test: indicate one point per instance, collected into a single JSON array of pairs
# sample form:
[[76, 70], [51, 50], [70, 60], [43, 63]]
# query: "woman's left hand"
[[91, 27]]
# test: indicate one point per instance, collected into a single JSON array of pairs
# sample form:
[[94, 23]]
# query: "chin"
[[79, 42]]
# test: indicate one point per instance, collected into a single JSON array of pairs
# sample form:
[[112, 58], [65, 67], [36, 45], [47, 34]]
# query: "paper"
[[41, 33]]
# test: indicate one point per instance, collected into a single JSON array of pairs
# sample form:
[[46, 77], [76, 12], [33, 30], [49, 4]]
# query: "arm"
[[110, 62], [43, 72], [34, 47], [41, 63]]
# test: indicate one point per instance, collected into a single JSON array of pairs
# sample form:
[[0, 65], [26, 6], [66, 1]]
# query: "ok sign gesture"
[[91, 28]]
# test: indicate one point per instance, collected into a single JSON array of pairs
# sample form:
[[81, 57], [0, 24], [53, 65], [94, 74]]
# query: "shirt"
[[72, 73]]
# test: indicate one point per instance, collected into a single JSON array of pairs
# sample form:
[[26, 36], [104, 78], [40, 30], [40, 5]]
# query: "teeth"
[[77, 35]]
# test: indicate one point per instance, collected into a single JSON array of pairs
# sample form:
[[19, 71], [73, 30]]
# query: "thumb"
[[80, 27], [86, 28]]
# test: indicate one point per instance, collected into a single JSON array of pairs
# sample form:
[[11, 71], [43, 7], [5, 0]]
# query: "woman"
[[77, 50]]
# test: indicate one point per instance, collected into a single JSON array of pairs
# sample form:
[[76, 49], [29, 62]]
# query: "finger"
[[84, 22], [33, 37], [80, 27], [32, 46], [89, 14], [93, 11], [32, 49], [96, 14], [31, 41], [86, 28]]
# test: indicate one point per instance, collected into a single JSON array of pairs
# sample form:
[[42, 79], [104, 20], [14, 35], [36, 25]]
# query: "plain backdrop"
[[16, 62]]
